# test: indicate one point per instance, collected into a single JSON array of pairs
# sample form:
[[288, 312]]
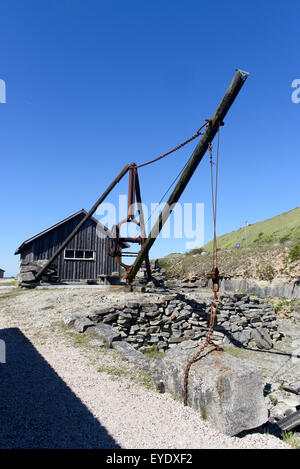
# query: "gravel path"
[[52, 395]]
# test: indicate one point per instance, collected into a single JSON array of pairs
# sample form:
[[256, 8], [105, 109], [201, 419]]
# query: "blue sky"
[[93, 85]]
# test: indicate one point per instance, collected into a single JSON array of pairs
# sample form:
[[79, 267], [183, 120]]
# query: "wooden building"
[[85, 257], [2, 273]]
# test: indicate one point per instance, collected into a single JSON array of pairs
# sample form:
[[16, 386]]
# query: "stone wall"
[[29, 269], [167, 319]]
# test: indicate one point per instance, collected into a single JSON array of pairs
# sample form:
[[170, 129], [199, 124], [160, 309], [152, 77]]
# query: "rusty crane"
[[207, 132]]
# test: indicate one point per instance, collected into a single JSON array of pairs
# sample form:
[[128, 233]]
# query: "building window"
[[79, 254]]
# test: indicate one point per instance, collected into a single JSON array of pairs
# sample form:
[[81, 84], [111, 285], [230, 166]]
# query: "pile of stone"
[[158, 276], [248, 320], [168, 319], [192, 281], [29, 269]]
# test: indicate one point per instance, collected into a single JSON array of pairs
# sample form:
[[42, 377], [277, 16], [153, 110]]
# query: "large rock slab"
[[262, 338], [107, 333], [224, 389], [81, 324], [97, 314], [26, 277], [131, 354]]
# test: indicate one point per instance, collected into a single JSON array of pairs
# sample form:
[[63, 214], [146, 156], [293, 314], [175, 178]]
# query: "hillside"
[[273, 252], [260, 263], [284, 227]]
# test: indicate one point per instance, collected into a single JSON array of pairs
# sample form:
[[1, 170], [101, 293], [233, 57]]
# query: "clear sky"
[[92, 85]]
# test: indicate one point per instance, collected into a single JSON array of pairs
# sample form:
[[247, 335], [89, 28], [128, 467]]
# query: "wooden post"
[[80, 224], [200, 150]]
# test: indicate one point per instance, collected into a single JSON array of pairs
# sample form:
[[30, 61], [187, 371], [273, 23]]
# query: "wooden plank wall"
[[89, 238]]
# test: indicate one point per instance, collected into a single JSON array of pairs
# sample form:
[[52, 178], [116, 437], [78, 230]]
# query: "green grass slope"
[[284, 227]]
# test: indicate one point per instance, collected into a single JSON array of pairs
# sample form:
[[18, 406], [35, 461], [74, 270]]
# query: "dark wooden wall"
[[89, 237], [1, 273]]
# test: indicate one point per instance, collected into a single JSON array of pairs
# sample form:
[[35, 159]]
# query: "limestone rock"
[[107, 333], [81, 324], [26, 277], [69, 319], [96, 343], [226, 389], [243, 337], [29, 269], [262, 338], [129, 352], [97, 314]]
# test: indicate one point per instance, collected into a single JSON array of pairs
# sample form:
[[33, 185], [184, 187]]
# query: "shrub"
[[269, 273], [294, 254]]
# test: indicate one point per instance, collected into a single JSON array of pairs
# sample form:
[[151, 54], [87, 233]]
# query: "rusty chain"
[[197, 134], [215, 278]]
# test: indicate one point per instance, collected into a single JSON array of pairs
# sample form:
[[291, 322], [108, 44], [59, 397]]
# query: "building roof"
[[2, 270], [100, 226]]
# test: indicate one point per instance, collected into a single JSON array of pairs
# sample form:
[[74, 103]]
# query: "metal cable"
[[168, 190]]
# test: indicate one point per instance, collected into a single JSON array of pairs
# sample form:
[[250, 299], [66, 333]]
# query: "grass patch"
[[203, 413], [82, 340], [40, 336], [111, 370], [234, 351], [291, 439], [273, 399], [145, 380], [12, 294], [78, 340], [138, 376], [153, 352], [119, 369], [285, 306], [10, 283], [281, 228]]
